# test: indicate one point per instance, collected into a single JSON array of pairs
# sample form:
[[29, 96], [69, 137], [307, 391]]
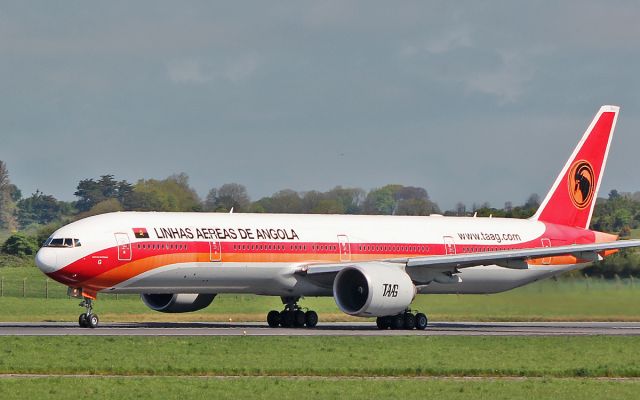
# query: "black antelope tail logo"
[[581, 184]]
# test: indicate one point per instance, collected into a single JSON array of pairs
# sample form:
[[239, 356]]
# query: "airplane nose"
[[46, 260]]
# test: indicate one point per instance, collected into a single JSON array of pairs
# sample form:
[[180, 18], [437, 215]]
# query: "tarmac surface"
[[323, 329]]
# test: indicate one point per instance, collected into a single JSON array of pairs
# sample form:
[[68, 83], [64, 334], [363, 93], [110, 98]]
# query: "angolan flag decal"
[[141, 233]]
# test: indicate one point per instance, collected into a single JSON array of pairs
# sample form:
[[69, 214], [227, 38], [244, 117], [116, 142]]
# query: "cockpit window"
[[62, 242], [56, 243]]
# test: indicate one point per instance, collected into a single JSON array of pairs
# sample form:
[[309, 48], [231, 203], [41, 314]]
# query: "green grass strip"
[[325, 356], [284, 389]]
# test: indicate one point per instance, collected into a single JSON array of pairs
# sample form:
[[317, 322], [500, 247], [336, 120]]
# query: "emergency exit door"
[[449, 245], [124, 246], [215, 253], [345, 248]]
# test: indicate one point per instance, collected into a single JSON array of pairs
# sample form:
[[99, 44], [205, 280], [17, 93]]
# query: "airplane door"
[[124, 246], [546, 243], [449, 245], [345, 248], [216, 251]]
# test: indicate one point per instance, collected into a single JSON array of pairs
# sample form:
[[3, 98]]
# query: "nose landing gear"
[[292, 316], [88, 319]]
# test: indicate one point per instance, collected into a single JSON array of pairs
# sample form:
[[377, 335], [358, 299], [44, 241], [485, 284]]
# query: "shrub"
[[20, 244]]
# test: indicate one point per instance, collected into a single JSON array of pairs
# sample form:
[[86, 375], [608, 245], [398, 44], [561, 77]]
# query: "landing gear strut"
[[88, 319], [406, 320], [292, 316]]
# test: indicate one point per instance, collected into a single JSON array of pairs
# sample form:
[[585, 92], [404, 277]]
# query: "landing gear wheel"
[[293, 316], [92, 321], [383, 322], [311, 319], [421, 321], [286, 318], [87, 319], [82, 321], [409, 321], [298, 318], [273, 319], [397, 321]]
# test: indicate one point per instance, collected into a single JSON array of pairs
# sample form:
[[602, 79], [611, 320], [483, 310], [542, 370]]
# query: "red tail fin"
[[573, 195]]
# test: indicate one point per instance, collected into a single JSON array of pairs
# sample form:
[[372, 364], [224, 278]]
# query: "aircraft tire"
[[299, 318], [286, 319], [311, 319], [273, 319], [409, 321], [397, 321], [421, 321], [93, 321], [82, 321]]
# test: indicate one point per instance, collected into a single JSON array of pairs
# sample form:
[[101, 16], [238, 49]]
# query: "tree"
[[614, 194], [508, 206], [124, 193], [533, 202], [400, 200], [328, 206], [351, 199], [105, 206], [39, 208], [381, 200], [413, 200], [92, 192], [20, 244], [416, 207], [284, 201], [228, 196], [210, 202], [170, 194], [7, 203]]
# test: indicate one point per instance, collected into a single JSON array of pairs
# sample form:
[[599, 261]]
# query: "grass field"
[[317, 389], [559, 357], [321, 367]]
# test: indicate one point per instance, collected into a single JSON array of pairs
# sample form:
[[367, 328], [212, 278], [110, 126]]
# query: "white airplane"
[[373, 266]]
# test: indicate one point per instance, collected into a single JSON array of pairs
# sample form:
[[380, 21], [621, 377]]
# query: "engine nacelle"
[[374, 290], [177, 302]]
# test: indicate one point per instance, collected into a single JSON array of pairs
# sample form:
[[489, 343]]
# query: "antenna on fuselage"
[[231, 211]]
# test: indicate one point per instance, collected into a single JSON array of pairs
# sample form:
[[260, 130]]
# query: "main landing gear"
[[406, 320], [88, 319], [292, 316]]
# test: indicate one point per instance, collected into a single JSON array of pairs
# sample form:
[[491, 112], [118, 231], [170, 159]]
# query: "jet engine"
[[177, 302], [373, 290]]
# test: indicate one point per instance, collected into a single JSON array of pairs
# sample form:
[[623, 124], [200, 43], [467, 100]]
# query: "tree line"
[[30, 220]]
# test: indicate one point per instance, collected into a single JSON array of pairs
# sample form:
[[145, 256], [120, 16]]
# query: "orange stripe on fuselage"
[[132, 269]]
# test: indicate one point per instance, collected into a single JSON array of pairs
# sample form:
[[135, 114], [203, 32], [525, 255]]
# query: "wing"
[[323, 274]]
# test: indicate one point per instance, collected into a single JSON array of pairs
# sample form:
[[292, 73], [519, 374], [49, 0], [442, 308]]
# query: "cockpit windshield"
[[62, 242]]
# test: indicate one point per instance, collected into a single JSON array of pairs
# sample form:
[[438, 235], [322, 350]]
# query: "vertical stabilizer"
[[573, 195]]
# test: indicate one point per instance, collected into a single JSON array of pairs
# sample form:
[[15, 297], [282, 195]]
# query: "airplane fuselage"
[[139, 252]]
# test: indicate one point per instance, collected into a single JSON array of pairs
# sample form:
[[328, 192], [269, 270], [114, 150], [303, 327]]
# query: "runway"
[[323, 329]]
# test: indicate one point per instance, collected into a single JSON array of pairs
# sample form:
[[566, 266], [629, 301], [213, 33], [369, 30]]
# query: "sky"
[[474, 101]]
